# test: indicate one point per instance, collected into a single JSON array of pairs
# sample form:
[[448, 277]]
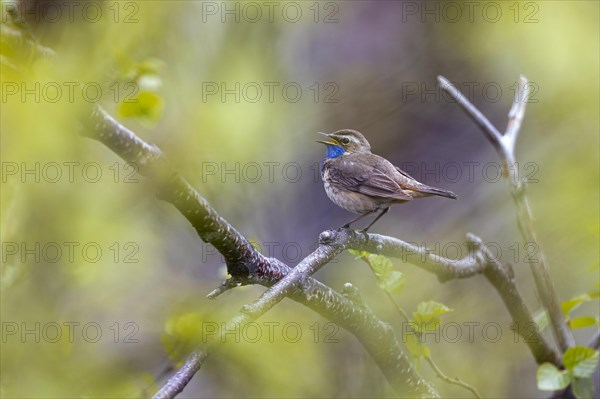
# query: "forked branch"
[[504, 144]]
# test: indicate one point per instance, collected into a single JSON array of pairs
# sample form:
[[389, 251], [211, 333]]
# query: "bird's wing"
[[403, 173], [366, 179]]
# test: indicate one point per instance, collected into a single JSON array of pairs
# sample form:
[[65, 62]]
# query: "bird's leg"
[[347, 225], [383, 212]]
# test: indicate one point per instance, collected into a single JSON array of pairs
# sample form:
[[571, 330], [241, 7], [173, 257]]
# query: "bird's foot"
[[346, 226]]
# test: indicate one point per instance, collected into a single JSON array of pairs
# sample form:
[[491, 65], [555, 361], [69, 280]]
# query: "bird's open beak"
[[332, 141]]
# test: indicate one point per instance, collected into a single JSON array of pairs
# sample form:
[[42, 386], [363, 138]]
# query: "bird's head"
[[345, 141]]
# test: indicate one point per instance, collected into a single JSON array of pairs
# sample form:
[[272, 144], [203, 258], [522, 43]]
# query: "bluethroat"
[[364, 183]]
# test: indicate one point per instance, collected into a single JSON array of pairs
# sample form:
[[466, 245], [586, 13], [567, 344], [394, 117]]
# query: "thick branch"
[[480, 260], [505, 147], [377, 337], [248, 265], [241, 258]]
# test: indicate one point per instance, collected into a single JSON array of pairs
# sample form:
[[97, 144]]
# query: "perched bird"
[[362, 182]]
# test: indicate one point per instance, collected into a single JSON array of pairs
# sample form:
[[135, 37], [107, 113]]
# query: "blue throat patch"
[[334, 151]]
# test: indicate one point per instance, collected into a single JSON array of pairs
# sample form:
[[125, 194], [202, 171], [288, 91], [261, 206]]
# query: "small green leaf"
[[394, 282], [359, 254], [426, 316], [581, 361], [573, 303], [145, 105], [381, 265], [583, 388], [432, 309], [549, 378], [389, 280], [584, 321]]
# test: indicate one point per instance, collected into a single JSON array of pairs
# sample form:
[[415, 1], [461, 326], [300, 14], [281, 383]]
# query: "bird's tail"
[[437, 191]]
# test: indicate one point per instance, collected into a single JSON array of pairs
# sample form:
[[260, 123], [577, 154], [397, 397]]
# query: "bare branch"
[[246, 264], [492, 134], [241, 258], [505, 147], [377, 337], [479, 261], [516, 115], [452, 380], [182, 377]]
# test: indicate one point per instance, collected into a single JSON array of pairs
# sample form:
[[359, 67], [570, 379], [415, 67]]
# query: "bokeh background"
[[234, 98]]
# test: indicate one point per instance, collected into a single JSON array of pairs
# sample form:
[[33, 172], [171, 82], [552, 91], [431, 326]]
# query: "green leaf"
[[549, 378], [381, 265], [584, 321], [394, 282], [145, 105], [581, 361], [416, 347], [583, 388], [573, 303], [389, 280], [425, 318], [432, 309], [359, 254]]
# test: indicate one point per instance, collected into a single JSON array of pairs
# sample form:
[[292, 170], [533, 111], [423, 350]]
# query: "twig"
[[451, 380], [376, 336], [182, 377], [481, 261], [434, 366], [505, 147]]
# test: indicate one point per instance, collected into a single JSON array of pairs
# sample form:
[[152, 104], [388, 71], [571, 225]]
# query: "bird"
[[363, 183]]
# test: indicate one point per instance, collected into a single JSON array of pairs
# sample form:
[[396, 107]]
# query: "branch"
[[247, 265], [505, 147], [377, 337], [451, 380], [182, 377], [241, 258], [490, 131], [595, 340], [480, 261], [428, 358]]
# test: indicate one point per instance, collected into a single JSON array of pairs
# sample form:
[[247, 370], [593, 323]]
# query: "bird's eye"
[[345, 140]]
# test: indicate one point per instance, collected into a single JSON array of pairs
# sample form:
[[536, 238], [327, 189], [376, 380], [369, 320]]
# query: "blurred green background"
[[233, 93]]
